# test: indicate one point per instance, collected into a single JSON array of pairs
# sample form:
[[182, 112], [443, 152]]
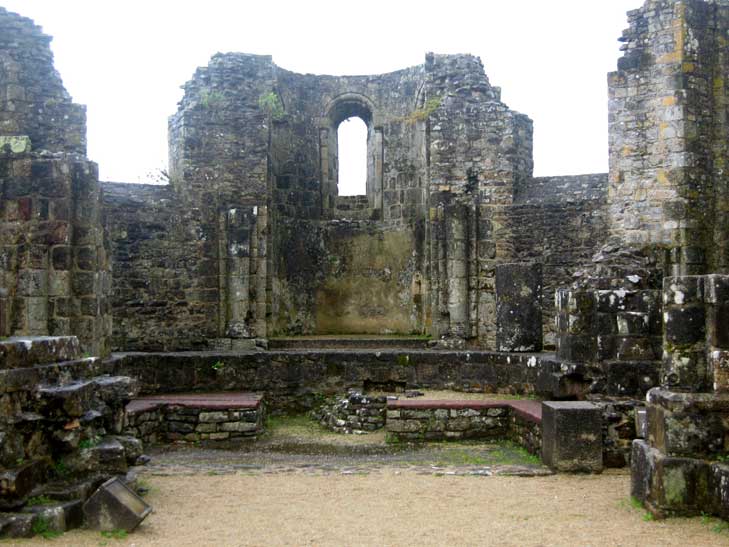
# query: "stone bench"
[[519, 421], [193, 417]]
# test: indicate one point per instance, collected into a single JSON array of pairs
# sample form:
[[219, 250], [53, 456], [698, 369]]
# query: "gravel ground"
[[301, 485], [396, 507]]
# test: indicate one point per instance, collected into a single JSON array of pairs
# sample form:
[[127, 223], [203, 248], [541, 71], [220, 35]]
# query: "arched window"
[[352, 155], [354, 166]]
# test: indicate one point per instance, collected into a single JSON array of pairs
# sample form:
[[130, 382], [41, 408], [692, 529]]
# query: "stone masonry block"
[[519, 307], [572, 436]]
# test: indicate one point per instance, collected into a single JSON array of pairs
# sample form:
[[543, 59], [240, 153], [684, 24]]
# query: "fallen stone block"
[[114, 506]]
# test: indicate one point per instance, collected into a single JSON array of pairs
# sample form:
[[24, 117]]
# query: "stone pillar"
[[246, 281], [238, 265], [456, 247], [259, 272], [519, 307]]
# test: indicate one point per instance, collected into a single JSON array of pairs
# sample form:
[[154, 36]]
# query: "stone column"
[[238, 266], [716, 295], [456, 246], [246, 280]]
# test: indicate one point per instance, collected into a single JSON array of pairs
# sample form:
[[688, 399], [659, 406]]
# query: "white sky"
[[126, 60]]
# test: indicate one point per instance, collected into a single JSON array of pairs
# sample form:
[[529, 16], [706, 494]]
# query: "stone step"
[[25, 379], [76, 398], [348, 342], [27, 351]]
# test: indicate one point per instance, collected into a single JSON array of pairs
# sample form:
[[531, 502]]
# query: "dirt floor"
[[300, 485]]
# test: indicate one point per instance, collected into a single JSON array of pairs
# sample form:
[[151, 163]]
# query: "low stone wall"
[[454, 420], [212, 417], [355, 413], [525, 431], [449, 421], [296, 380]]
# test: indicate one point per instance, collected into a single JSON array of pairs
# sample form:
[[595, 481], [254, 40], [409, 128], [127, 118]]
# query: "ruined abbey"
[[457, 269]]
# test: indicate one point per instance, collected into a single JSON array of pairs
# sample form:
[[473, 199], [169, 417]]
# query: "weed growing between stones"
[[271, 103], [89, 443], [717, 525], [41, 527], [60, 469], [39, 500]]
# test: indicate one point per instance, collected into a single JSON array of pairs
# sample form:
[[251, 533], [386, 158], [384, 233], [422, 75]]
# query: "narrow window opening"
[[352, 154]]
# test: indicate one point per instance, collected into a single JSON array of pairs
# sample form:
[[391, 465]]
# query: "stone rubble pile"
[[355, 413], [60, 433]]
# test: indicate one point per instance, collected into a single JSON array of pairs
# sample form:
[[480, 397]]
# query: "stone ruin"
[[456, 269]]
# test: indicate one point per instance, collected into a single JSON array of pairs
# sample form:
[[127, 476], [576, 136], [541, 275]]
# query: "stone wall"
[[176, 424], [448, 423], [479, 152], [560, 222], [415, 255], [668, 134], [54, 265], [33, 101], [295, 380], [354, 413]]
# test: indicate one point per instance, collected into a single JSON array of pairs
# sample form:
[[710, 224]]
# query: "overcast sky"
[[127, 60]]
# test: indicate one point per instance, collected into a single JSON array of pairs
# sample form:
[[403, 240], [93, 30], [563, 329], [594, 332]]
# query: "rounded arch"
[[347, 105]]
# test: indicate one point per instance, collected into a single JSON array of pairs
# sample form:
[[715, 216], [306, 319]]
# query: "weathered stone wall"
[[33, 101], [296, 379], [668, 134], [479, 152], [335, 275], [54, 268], [170, 423], [157, 304]]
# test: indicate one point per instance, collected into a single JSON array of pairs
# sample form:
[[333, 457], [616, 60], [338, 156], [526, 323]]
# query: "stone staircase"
[[61, 424]]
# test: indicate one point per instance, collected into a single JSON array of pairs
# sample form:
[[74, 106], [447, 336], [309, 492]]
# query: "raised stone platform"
[[426, 420], [348, 342], [193, 417]]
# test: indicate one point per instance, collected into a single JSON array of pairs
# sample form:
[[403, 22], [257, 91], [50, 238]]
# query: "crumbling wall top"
[[33, 101]]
